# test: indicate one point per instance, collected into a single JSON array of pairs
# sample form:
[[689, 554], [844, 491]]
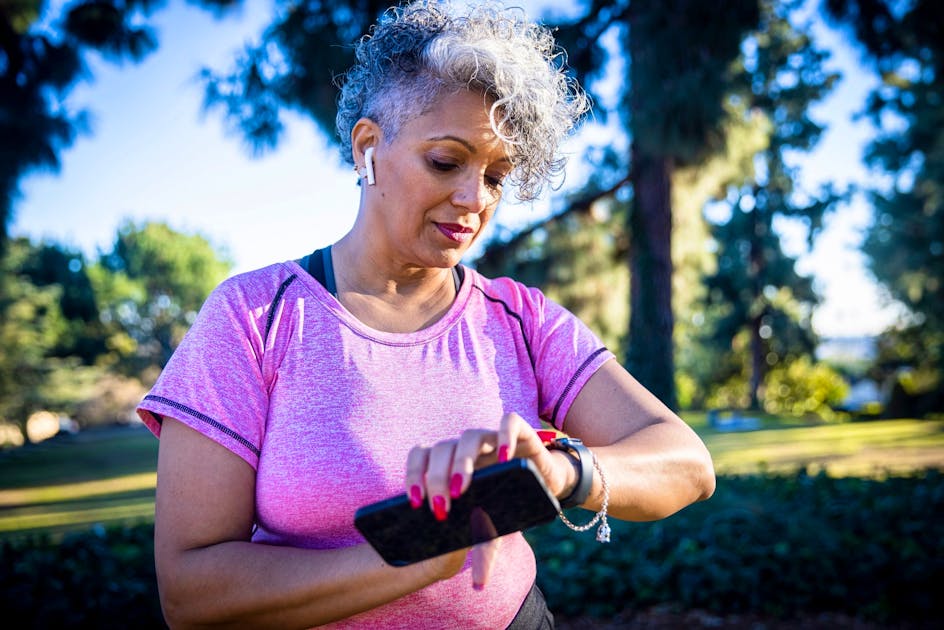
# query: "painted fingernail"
[[439, 508], [416, 497], [478, 587], [503, 453], [455, 486]]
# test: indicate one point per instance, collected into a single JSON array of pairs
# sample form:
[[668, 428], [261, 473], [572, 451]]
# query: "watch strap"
[[584, 483]]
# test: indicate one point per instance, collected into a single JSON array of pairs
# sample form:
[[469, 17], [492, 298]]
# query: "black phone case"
[[501, 499]]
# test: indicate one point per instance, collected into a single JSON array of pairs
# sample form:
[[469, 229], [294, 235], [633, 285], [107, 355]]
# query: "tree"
[[31, 325], [78, 339], [904, 42], [41, 59], [293, 67], [50, 264], [150, 286], [755, 290], [673, 52]]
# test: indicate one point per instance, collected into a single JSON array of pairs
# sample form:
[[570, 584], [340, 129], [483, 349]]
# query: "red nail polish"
[[416, 497], [503, 453], [439, 508], [478, 587], [455, 486]]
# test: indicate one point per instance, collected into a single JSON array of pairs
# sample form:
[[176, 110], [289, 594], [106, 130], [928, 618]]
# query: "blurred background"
[[751, 218]]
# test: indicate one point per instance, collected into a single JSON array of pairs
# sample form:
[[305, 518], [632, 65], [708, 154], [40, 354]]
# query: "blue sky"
[[152, 155]]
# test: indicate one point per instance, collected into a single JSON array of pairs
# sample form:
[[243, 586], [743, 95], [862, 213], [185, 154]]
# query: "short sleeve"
[[214, 381], [566, 354], [563, 351]]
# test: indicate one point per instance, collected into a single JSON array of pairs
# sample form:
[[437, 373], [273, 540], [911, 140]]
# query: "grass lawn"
[[73, 482], [107, 476]]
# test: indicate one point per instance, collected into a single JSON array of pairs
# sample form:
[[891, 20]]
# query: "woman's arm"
[[654, 463], [208, 572]]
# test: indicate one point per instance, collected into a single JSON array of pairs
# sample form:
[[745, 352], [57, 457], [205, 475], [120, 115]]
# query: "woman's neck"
[[387, 296]]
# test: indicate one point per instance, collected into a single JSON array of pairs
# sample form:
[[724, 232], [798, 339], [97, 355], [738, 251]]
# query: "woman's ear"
[[365, 135]]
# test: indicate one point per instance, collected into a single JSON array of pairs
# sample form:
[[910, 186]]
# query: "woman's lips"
[[455, 232]]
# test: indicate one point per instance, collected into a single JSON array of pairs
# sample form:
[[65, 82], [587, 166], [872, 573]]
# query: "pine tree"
[[756, 290], [904, 43]]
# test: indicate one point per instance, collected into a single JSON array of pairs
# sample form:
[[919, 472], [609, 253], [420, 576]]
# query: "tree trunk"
[[650, 356], [756, 273], [757, 362]]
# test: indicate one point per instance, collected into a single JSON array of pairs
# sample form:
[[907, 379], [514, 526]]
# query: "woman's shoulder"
[[261, 283], [503, 286], [515, 297]]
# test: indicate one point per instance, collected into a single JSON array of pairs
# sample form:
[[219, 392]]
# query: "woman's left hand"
[[443, 471]]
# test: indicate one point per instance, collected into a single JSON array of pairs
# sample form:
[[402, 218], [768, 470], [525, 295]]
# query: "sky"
[[152, 154]]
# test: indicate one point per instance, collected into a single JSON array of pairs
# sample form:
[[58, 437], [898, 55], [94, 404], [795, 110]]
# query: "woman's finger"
[[438, 471], [517, 438], [416, 462], [472, 445], [483, 559]]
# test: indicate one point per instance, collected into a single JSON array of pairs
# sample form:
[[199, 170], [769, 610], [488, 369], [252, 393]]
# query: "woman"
[[382, 365]]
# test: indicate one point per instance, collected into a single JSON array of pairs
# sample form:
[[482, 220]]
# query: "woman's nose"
[[474, 194]]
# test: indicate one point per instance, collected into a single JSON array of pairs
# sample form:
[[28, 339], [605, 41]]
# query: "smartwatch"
[[576, 448]]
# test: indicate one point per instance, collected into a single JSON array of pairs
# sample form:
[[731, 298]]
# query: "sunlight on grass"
[[869, 449], [81, 490], [19, 520]]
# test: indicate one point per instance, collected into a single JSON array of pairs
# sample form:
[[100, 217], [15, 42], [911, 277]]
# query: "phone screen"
[[501, 499]]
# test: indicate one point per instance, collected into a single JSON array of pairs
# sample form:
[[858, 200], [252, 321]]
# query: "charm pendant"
[[603, 533]]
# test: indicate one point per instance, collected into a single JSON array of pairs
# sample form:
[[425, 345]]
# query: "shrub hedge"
[[778, 545]]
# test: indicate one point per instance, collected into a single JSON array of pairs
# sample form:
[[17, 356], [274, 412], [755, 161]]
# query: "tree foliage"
[[576, 259], [755, 289], [78, 337], [293, 67], [153, 282], [42, 56], [904, 43], [31, 326]]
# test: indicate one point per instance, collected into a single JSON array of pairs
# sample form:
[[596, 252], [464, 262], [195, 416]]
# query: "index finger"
[[516, 438]]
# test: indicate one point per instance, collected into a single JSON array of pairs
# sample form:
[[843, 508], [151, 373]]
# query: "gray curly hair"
[[420, 51]]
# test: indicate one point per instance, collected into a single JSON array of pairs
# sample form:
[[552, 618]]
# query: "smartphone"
[[501, 499]]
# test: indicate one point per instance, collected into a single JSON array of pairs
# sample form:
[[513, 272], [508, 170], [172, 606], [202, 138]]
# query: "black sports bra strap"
[[319, 265], [328, 283], [316, 268]]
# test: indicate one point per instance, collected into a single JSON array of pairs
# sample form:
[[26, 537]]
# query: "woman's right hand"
[[439, 473]]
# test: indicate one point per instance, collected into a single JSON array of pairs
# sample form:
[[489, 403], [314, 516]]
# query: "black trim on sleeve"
[[573, 379], [208, 420], [275, 301], [509, 310]]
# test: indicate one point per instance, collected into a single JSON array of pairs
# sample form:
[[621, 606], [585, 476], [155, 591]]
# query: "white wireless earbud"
[[369, 165]]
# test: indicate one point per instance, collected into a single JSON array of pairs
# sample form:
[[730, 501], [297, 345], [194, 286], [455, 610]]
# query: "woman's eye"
[[494, 182], [440, 165]]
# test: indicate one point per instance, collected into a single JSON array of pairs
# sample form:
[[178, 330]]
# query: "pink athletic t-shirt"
[[325, 409]]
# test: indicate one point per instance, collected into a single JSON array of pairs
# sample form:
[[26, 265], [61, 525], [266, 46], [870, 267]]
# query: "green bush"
[[771, 544], [102, 578], [803, 388], [776, 545]]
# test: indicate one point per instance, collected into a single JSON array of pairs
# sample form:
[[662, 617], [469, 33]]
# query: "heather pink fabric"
[[325, 409]]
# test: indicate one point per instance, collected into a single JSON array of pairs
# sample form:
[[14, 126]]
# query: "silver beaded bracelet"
[[603, 531]]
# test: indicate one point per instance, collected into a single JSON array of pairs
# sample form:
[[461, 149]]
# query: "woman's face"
[[438, 182]]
